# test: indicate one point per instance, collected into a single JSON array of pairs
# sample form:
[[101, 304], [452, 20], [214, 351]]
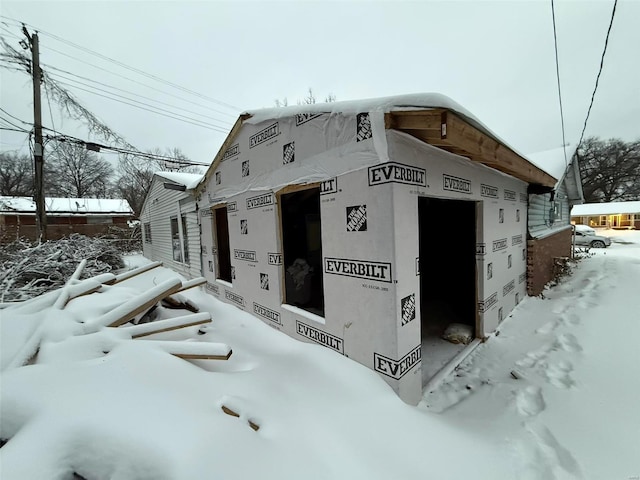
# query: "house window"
[[557, 211], [221, 233], [175, 240], [147, 233], [185, 239], [302, 249]]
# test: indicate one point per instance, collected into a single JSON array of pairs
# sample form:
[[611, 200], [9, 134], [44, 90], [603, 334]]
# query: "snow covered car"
[[586, 240], [585, 229]]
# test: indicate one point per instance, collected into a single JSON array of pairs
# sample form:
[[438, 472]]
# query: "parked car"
[[585, 229], [586, 240]]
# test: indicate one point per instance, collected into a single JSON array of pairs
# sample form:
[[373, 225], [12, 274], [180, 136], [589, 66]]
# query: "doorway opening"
[[448, 292], [302, 249], [221, 232]]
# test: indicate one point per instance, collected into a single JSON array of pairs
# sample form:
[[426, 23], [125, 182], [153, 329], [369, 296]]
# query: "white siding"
[[539, 212], [160, 206]]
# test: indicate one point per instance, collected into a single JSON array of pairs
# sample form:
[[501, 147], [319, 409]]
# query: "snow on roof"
[[189, 180], [609, 208], [381, 104], [67, 205], [553, 161]]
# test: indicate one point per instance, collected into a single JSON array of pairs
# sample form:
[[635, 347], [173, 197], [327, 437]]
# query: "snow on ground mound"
[[553, 396]]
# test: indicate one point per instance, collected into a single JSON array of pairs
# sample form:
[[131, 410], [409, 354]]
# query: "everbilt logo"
[[500, 244], [259, 201], [274, 258], [488, 191], [264, 135], [510, 195], [329, 186], [488, 302], [357, 218], [305, 117], [267, 313], [396, 368], [481, 249], [379, 271], [232, 207], [516, 240], [234, 297], [397, 173], [455, 184], [232, 151], [214, 288], [522, 277], [523, 198], [508, 288], [318, 336], [246, 255]]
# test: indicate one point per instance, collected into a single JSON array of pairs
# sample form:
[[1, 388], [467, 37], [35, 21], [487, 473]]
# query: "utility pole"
[[38, 149]]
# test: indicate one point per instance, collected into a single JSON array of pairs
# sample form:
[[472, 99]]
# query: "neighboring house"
[[87, 216], [169, 222], [616, 215], [549, 222], [368, 227]]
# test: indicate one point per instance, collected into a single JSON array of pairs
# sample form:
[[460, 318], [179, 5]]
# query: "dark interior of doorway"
[[447, 236], [222, 243], [302, 249]]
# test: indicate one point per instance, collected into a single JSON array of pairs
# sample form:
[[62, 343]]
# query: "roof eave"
[[445, 129]]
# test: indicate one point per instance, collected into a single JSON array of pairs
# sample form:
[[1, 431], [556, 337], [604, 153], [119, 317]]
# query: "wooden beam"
[[132, 273], [192, 350], [129, 309], [196, 282], [414, 120], [145, 329]]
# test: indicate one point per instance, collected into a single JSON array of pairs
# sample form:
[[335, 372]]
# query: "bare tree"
[[73, 171], [309, 99], [136, 173], [16, 175], [610, 169]]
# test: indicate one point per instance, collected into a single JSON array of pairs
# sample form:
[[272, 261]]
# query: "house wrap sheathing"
[[368, 226]]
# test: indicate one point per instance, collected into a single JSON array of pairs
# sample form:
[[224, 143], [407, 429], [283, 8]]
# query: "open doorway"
[[221, 234], [447, 242], [302, 249]]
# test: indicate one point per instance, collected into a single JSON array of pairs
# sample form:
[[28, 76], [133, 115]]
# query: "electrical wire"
[[67, 78], [555, 44], [128, 67], [14, 117], [175, 116], [595, 88]]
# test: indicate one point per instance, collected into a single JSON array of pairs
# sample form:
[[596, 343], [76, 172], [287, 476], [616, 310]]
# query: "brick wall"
[[540, 255], [10, 233]]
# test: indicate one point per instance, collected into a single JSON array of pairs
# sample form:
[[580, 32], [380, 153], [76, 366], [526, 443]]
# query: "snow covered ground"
[[554, 395]]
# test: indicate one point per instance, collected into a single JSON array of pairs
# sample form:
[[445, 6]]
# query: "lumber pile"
[[124, 316]]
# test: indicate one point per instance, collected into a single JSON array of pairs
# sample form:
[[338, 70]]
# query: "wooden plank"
[[228, 411], [125, 312], [192, 350], [196, 282], [132, 273], [145, 329], [414, 120], [63, 298]]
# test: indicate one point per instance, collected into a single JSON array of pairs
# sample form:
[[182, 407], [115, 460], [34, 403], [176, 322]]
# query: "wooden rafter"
[[446, 130]]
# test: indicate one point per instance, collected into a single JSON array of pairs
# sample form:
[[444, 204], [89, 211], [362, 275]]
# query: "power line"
[[66, 77], [555, 44], [128, 67], [595, 88], [14, 117], [175, 116]]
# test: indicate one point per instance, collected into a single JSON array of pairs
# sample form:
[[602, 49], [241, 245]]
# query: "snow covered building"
[[87, 216], [169, 221], [548, 216], [616, 215], [368, 227]]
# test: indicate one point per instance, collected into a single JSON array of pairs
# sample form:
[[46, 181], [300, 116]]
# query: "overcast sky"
[[494, 58]]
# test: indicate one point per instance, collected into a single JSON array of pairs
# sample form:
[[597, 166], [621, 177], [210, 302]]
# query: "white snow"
[[553, 395], [189, 180], [59, 206], [609, 208], [553, 161]]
